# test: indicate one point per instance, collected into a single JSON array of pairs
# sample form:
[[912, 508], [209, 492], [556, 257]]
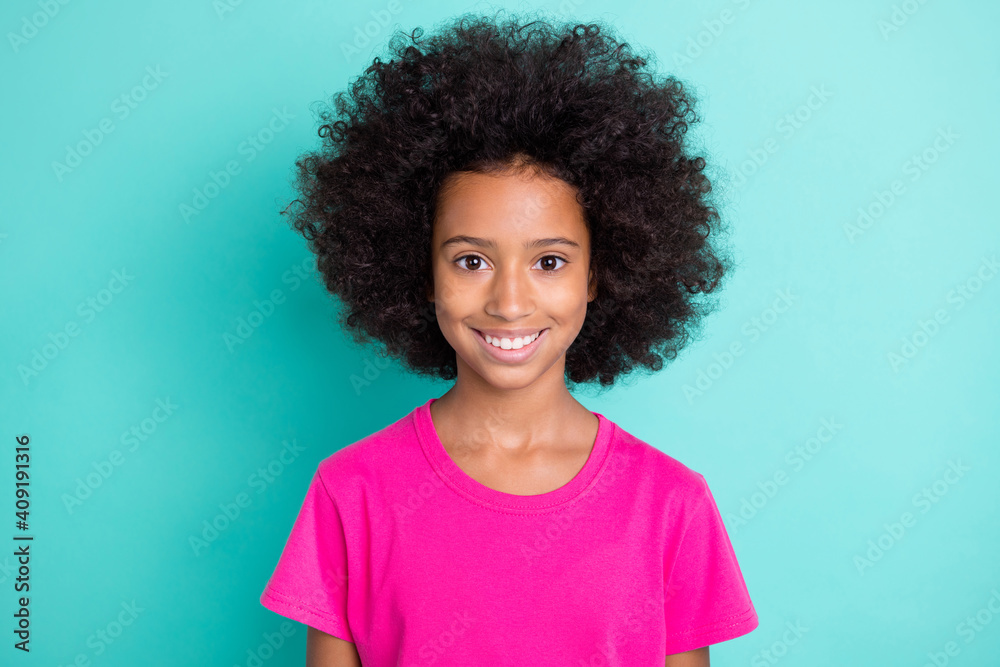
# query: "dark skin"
[[323, 650], [512, 427]]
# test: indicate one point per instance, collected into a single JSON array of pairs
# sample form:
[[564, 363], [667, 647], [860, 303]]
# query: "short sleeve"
[[707, 601], [309, 583]]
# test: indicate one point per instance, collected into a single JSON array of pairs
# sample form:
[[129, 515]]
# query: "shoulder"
[[365, 460], [664, 475]]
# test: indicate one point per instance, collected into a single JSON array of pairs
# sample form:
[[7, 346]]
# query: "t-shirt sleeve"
[[707, 601], [309, 583]]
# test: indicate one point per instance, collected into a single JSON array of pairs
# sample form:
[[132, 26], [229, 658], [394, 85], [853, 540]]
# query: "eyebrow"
[[490, 243]]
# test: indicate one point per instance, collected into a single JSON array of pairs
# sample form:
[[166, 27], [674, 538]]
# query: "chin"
[[511, 384]]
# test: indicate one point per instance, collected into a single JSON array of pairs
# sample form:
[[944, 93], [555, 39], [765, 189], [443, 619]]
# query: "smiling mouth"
[[517, 343]]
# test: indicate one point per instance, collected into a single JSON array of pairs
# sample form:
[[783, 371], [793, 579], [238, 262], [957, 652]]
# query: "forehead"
[[508, 205]]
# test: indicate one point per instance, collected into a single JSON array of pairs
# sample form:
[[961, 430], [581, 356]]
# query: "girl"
[[511, 206]]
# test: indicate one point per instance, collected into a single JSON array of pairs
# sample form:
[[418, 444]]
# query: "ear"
[[592, 288]]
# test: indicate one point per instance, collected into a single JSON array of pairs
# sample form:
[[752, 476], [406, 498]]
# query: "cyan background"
[[826, 357]]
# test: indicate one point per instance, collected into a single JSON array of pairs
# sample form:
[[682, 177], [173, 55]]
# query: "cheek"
[[446, 291], [566, 298], [450, 310]]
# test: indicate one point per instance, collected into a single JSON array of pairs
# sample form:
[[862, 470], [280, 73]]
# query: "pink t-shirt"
[[396, 549]]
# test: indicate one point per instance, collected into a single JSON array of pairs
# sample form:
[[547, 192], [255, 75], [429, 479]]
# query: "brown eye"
[[465, 259], [554, 258]]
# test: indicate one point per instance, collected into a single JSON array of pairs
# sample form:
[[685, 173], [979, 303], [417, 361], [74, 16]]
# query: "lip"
[[510, 356], [508, 333]]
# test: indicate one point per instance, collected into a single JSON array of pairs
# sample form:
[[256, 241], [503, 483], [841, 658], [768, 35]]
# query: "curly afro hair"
[[492, 96]]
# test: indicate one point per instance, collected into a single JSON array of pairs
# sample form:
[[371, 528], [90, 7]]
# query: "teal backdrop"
[[168, 349]]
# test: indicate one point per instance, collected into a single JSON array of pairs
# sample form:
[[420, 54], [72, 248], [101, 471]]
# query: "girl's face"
[[510, 256]]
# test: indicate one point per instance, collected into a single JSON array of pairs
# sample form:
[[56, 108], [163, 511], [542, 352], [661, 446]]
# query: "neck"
[[520, 418]]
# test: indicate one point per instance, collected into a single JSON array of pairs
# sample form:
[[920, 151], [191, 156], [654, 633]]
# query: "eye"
[[463, 266], [553, 257], [464, 260]]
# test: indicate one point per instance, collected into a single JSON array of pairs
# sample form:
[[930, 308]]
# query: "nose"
[[512, 293]]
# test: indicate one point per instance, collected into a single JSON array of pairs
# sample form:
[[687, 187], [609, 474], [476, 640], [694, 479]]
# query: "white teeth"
[[511, 344]]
